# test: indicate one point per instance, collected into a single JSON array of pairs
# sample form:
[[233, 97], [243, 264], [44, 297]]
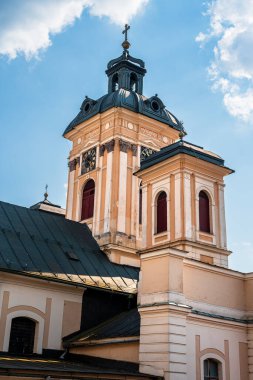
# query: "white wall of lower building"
[[48, 304]]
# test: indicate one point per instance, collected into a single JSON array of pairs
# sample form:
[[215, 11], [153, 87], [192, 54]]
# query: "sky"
[[198, 60]]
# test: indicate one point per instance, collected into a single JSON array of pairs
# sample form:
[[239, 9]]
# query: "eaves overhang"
[[182, 147]]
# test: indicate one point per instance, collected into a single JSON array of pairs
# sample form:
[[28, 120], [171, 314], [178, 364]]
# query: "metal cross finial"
[[127, 27], [46, 193], [125, 43]]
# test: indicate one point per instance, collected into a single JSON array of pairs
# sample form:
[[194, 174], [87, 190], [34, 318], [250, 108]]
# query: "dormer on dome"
[[87, 105], [154, 103], [126, 71]]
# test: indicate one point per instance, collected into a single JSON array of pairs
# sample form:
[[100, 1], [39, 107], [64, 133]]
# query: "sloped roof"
[[48, 246], [74, 366], [126, 99], [184, 147], [126, 324]]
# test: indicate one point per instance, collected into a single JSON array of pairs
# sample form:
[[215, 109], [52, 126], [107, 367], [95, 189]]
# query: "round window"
[[155, 105]]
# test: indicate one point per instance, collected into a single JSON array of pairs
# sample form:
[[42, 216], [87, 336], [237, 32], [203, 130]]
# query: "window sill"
[[206, 237], [206, 233], [87, 221], [164, 233]]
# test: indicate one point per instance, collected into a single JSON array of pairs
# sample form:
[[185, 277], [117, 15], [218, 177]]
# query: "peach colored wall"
[[165, 272], [197, 282], [71, 317], [213, 287], [128, 351], [249, 292], [180, 281]]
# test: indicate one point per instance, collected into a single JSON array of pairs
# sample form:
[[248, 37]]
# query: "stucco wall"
[[55, 308], [175, 340]]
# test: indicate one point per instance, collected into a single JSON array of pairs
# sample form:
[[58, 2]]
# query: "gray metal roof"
[[126, 324], [74, 367], [127, 99], [46, 245], [182, 147]]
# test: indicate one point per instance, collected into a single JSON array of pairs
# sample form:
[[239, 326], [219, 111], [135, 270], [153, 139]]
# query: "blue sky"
[[53, 53]]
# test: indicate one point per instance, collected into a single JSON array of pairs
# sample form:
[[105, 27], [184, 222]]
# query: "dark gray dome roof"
[[152, 107]]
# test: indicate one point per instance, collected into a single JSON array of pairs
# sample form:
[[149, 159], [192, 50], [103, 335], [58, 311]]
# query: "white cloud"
[[231, 69], [26, 26]]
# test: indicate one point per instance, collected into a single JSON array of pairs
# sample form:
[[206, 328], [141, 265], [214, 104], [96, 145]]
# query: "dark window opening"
[[88, 200], [211, 369], [22, 336], [133, 82], [204, 212], [87, 107], [115, 82], [140, 204], [161, 212], [155, 105]]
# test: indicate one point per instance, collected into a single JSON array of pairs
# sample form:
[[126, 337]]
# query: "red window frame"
[[161, 212], [88, 200]]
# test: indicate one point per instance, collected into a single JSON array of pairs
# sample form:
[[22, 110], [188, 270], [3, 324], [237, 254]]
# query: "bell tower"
[[110, 137]]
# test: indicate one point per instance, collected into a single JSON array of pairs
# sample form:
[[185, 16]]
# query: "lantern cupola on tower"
[[125, 90], [126, 71]]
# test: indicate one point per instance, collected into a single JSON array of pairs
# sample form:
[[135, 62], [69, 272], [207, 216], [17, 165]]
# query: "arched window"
[[161, 212], [22, 336], [115, 82], [204, 212], [133, 82], [211, 369], [88, 200], [140, 204]]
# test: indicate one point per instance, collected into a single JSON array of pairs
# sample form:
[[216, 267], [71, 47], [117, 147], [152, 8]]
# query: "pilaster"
[[163, 341]]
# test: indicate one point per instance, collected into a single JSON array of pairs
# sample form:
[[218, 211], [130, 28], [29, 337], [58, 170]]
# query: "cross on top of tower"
[[125, 44], [127, 27], [46, 193]]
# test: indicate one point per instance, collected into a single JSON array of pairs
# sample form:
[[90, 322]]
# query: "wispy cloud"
[[231, 70], [26, 26]]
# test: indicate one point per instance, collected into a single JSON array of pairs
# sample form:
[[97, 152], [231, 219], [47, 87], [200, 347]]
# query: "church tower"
[[110, 137], [127, 163]]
